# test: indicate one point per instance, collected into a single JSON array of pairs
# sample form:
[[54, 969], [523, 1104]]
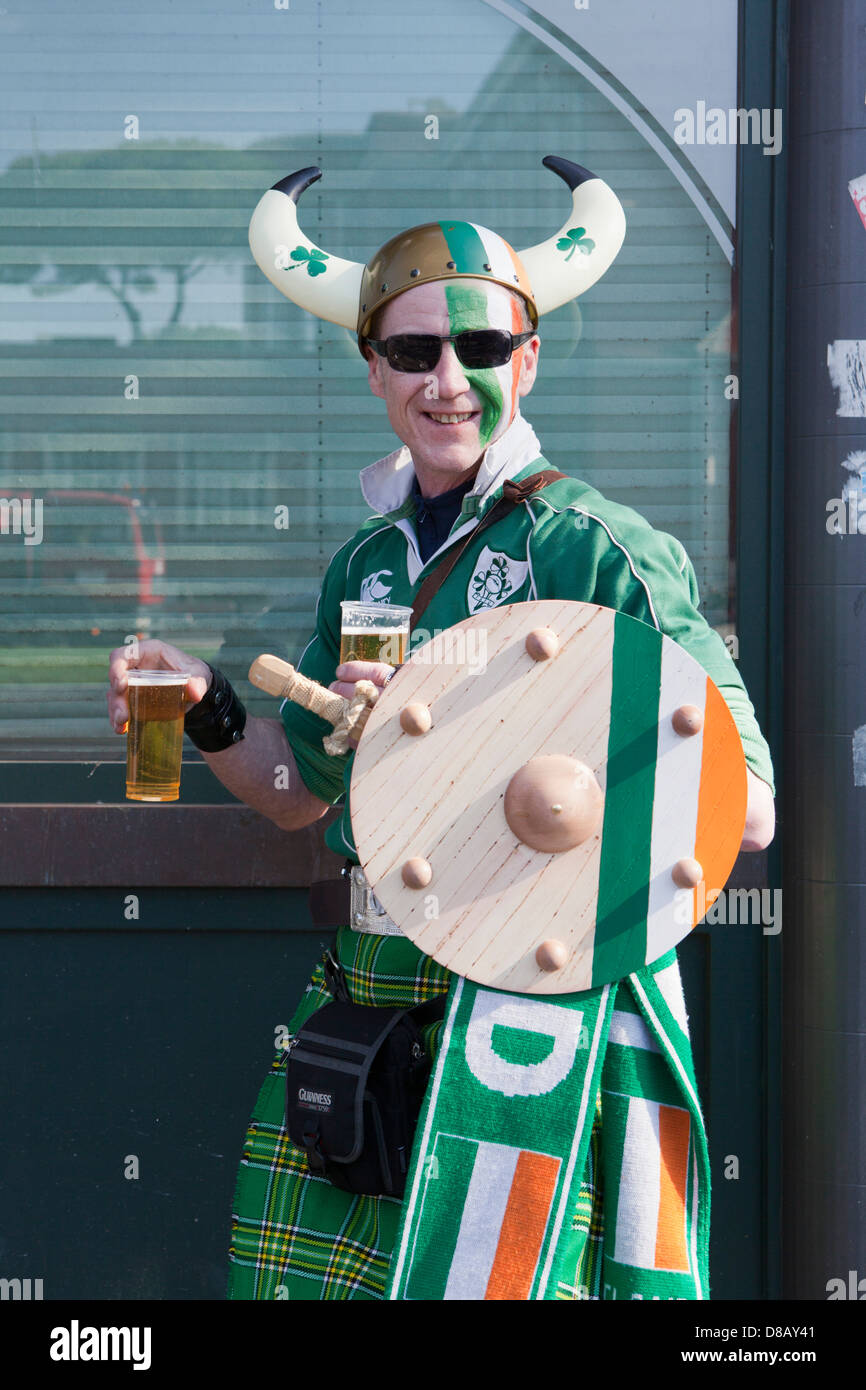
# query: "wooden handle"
[[277, 677]]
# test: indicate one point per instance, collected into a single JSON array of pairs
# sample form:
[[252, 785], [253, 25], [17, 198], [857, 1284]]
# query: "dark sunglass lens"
[[484, 347], [413, 352]]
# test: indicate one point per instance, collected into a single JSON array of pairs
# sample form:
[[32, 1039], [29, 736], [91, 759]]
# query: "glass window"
[[169, 410]]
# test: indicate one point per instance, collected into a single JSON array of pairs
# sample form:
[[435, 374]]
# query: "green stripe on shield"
[[623, 880]]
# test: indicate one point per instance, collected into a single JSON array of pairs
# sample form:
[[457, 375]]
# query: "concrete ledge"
[[164, 846]]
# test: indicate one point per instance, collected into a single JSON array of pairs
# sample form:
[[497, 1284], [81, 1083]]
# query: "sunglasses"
[[476, 347]]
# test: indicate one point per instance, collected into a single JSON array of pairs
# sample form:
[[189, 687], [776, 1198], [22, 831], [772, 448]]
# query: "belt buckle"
[[366, 912]]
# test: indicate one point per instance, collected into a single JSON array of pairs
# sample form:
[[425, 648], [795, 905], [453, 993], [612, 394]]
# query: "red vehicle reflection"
[[94, 561]]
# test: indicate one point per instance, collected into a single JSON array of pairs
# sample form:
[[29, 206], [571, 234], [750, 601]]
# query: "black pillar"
[[824, 810]]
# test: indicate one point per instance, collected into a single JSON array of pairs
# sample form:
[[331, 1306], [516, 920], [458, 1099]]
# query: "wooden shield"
[[568, 816]]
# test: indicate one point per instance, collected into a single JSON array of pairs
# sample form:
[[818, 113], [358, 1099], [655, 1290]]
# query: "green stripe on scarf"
[[623, 885]]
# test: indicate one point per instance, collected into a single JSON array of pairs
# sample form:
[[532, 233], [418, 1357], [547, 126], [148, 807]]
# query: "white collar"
[[386, 484]]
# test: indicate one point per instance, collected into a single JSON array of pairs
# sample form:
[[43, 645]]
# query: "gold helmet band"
[[546, 275], [440, 251]]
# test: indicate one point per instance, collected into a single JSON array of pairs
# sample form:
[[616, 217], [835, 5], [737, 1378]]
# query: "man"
[[455, 405]]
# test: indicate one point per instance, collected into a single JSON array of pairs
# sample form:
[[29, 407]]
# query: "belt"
[[349, 899]]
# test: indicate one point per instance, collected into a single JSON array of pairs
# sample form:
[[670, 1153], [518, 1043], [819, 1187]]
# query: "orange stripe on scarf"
[[523, 1227], [671, 1250]]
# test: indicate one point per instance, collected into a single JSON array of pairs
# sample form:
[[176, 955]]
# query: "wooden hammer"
[[348, 717]]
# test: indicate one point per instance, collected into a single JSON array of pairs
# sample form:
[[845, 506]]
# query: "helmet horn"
[[586, 245], [316, 280]]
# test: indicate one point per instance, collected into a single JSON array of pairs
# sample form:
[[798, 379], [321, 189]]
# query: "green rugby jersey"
[[566, 542]]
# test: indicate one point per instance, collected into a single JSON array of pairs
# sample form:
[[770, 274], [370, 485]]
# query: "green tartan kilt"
[[294, 1235]]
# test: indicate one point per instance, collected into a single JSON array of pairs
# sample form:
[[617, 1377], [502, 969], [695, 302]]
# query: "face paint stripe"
[[467, 308], [517, 357]]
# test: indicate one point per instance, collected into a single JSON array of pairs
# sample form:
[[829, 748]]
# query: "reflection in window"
[[165, 402]]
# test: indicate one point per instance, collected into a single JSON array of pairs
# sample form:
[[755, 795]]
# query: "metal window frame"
[[761, 308]]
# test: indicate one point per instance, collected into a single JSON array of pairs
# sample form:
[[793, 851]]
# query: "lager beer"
[[374, 644], [155, 735], [374, 632]]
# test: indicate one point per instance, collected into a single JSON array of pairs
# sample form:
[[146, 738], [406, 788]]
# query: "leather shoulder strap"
[[512, 494], [518, 492]]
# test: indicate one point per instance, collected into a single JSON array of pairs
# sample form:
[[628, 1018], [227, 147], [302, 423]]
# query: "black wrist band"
[[218, 720]]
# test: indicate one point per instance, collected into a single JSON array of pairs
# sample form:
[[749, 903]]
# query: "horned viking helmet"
[[349, 293]]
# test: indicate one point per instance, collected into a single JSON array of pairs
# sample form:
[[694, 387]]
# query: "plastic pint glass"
[[154, 740], [374, 632]]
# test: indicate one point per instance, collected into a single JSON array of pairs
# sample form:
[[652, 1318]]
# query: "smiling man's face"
[[422, 405]]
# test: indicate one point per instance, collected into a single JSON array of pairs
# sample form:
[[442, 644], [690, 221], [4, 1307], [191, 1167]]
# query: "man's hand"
[[760, 814], [152, 655], [352, 671]]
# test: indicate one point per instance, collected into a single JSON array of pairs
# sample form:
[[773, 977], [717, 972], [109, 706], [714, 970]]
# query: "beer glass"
[[374, 632], [154, 740]]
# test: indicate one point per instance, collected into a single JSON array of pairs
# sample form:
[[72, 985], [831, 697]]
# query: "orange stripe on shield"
[[721, 800]]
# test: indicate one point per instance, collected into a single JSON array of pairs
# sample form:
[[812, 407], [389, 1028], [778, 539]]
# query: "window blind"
[[195, 439]]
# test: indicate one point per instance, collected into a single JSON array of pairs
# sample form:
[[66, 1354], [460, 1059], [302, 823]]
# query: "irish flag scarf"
[[502, 1141]]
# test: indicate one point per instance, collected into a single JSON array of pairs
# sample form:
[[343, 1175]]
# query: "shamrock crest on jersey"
[[496, 578]]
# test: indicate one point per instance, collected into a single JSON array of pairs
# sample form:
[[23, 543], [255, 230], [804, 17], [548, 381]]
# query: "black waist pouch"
[[355, 1080]]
